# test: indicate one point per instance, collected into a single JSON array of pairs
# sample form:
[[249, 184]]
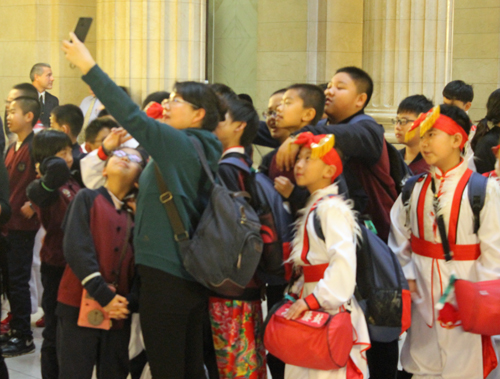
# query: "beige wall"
[[305, 41], [232, 45], [476, 49], [32, 32]]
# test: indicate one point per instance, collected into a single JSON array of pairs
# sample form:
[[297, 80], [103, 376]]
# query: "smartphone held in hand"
[[82, 27]]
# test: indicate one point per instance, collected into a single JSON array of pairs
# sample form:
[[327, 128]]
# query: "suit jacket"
[[50, 103]]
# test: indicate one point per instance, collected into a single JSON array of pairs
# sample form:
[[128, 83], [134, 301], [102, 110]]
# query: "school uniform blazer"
[[50, 103]]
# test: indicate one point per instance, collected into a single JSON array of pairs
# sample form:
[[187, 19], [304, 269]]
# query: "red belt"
[[435, 250], [314, 273]]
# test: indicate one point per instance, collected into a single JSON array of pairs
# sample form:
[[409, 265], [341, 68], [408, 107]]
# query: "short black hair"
[[48, 143], [458, 115], [71, 115], [103, 112], [202, 96], [28, 104], [245, 97], [96, 125], [492, 116], [364, 82], [27, 89], [157, 97], [459, 90], [415, 104], [224, 90], [313, 97], [241, 110]]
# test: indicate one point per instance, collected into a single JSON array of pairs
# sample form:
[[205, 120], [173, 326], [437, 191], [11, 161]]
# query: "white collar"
[[234, 149], [116, 202], [458, 170]]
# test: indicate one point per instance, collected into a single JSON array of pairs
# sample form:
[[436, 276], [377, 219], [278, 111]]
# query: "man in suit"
[[42, 78]]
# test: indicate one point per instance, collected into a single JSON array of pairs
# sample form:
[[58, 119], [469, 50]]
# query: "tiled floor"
[[27, 366]]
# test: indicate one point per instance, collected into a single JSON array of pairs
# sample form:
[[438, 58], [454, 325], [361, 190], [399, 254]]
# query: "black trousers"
[[79, 349], [274, 295], [51, 277], [172, 313], [383, 360], [20, 258]]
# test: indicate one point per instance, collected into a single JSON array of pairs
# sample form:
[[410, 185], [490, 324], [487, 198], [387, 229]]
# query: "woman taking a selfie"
[[172, 303]]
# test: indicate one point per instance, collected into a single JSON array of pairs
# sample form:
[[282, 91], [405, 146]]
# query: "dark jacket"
[[50, 103], [484, 159], [94, 238], [418, 165], [50, 197], [21, 170]]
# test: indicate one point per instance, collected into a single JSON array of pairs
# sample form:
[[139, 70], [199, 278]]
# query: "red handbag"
[[479, 306], [316, 340]]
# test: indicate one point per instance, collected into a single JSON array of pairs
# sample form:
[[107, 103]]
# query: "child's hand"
[[117, 308], [296, 309], [412, 283], [78, 54], [115, 139], [285, 158], [27, 211], [284, 186]]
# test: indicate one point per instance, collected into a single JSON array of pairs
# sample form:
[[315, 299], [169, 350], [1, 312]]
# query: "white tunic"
[[430, 350], [336, 288]]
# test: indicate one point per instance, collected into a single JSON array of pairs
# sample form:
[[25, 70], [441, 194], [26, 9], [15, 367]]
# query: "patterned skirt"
[[237, 334]]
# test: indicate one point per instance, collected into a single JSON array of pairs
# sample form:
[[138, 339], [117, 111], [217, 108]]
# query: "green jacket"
[[181, 169]]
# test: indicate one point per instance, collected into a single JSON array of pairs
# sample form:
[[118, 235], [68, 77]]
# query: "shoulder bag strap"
[[166, 198], [440, 222]]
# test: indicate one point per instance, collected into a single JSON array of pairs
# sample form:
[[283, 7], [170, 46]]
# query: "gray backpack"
[[225, 249]]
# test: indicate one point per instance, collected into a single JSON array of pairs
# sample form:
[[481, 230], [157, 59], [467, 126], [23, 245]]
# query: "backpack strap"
[[409, 186], [233, 161], [477, 195]]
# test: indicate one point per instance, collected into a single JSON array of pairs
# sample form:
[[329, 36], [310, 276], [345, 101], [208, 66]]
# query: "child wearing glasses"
[[97, 246], [408, 111]]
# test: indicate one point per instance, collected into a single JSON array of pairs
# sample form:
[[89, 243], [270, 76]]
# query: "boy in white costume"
[[437, 347], [332, 259]]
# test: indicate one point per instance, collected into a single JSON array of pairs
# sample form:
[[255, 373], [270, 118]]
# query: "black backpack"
[[225, 248], [276, 222], [476, 193], [381, 287]]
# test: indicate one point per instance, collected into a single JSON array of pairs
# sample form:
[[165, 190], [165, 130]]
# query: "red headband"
[[434, 119], [322, 147]]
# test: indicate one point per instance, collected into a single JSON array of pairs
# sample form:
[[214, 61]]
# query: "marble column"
[[407, 48], [148, 45]]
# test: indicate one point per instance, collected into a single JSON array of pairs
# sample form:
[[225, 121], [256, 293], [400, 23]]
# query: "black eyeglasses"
[[401, 121]]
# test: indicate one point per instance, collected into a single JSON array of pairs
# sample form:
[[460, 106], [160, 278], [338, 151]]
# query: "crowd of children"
[[93, 185]]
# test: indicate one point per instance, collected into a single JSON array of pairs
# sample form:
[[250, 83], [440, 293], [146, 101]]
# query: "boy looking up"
[[366, 170], [408, 111], [50, 196], [435, 345], [97, 245], [22, 227]]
